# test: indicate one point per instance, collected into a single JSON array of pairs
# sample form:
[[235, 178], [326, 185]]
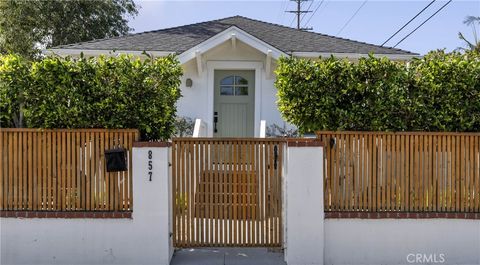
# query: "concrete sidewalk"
[[227, 256]]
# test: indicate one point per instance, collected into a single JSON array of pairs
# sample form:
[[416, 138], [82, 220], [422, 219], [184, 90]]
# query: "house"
[[229, 63]]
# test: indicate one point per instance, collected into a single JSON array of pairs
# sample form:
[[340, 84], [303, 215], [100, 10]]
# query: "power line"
[[354, 14], [421, 11], [308, 9], [284, 7], [422, 23], [299, 12], [291, 22], [293, 18], [315, 11]]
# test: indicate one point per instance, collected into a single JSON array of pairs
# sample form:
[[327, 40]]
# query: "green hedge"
[[439, 92], [14, 78], [103, 92]]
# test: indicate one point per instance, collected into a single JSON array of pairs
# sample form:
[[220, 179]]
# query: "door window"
[[234, 85]]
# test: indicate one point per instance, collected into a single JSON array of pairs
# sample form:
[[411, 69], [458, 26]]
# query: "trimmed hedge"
[[103, 92], [14, 78], [439, 92]]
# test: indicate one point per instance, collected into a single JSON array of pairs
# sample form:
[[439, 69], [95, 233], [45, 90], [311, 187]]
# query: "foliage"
[[184, 126], [103, 92], [439, 92], [28, 25], [14, 78], [447, 92], [475, 44], [275, 130]]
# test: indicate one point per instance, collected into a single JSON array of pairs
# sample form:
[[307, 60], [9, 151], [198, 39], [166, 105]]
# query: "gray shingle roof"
[[180, 39]]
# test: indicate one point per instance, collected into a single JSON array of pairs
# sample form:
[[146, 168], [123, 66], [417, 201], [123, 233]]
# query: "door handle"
[[215, 120]]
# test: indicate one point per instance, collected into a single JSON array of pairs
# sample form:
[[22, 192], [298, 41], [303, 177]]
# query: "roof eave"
[[87, 52], [394, 56]]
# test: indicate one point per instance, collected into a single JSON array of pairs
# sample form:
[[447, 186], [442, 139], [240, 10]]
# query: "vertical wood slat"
[[19, 167], [476, 169], [116, 176], [174, 189], [63, 172], [13, 165], [75, 169], [44, 170], [427, 172], [96, 174], [56, 198], [112, 176], [2, 174], [38, 171]]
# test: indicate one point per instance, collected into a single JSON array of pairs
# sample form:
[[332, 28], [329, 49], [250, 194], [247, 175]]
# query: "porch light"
[[188, 82]]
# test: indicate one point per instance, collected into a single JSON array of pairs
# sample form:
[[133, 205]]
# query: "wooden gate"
[[227, 192]]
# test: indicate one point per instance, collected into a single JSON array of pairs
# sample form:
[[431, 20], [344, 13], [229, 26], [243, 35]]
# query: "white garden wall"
[[144, 239], [304, 205], [402, 241]]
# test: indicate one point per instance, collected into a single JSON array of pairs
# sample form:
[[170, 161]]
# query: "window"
[[234, 86]]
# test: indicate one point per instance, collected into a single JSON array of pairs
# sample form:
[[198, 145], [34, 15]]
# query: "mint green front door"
[[234, 103]]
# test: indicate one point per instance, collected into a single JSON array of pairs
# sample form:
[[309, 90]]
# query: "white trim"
[[268, 64], [66, 52], [199, 129], [399, 57], [234, 41], [198, 57], [263, 128], [225, 36], [234, 65]]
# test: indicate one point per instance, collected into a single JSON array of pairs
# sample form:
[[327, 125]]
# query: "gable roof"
[[183, 38]]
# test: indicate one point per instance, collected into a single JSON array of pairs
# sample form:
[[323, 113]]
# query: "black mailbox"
[[116, 159]]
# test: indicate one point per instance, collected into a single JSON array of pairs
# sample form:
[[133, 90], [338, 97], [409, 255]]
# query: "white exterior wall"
[[393, 241], [144, 239], [196, 101], [304, 206]]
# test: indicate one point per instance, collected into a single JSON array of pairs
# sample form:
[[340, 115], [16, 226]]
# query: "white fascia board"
[[76, 52], [225, 36], [396, 57]]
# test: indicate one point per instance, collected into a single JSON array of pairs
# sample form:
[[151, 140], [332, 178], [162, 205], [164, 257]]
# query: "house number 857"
[[150, 165]]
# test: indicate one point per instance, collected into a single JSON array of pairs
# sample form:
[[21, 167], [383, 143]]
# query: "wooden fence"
[[227, 192], [408, 172], [63, 170]]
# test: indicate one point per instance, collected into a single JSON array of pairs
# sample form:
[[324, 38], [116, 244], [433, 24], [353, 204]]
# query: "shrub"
[[439, 92], [274, 130], [14, 78], [447, 92], [103, 92], [184, 127]]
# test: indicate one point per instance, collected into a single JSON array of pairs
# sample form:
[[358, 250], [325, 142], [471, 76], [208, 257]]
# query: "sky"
[[374, 22]]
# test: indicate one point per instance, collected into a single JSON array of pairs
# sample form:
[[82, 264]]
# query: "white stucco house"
[[229, 63]]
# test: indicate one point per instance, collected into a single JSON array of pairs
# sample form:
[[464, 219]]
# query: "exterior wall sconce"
[[189, 82]]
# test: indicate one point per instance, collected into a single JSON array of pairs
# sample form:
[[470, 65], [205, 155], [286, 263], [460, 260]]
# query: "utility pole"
[[299, 13]]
